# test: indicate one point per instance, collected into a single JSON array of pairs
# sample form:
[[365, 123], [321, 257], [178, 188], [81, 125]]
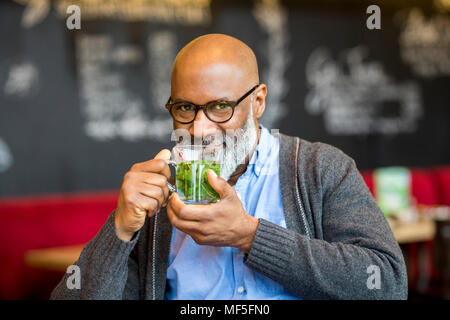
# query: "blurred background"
[[79, 106]]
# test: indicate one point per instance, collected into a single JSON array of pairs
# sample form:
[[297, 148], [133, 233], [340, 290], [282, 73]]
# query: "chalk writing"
[[353, 101], [6, 158], [272, 18], [425, 42]]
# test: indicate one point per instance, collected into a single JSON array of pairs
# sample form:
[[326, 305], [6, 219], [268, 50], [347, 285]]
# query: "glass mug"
[[191, 163]]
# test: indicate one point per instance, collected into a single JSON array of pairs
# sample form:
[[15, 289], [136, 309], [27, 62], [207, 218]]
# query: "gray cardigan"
[[335, 232]]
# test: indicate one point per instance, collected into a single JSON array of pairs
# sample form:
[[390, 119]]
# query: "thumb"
[[219, 184], [164, 154]]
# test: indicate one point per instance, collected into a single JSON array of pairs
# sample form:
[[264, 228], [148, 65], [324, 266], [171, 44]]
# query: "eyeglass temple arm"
[[247, 94], [242, 98]]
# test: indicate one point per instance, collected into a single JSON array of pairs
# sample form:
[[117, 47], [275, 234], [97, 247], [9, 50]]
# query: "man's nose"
[[202, 126]]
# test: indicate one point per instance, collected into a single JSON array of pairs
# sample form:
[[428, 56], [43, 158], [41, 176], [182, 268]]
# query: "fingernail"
[[213, 173]]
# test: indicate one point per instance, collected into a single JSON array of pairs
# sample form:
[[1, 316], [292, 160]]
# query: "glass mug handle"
[[169, 185]]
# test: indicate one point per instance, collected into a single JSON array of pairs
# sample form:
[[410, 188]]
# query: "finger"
[[144, 203], [189, 212], [175, 203], [165, 190], [187, 226], [156, 179], [152, 191], [164, 155], [152, 166], [152, 178], [149, 178], [219, 184]]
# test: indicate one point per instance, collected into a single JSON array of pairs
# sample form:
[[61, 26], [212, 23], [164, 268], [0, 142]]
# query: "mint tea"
[[192, 182]]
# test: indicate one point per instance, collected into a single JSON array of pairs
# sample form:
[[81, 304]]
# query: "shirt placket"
[[238, 256]]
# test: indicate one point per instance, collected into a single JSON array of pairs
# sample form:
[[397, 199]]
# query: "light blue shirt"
[[208, 272]]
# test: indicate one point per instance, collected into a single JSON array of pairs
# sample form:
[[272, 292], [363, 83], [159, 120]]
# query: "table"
[[55, 259], [417, 231]]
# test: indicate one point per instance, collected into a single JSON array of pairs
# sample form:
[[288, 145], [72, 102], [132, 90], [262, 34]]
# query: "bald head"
[[215, 62]]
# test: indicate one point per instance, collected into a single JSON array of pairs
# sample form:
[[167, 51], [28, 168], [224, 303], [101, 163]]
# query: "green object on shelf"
[[392, 189], [192, 182]]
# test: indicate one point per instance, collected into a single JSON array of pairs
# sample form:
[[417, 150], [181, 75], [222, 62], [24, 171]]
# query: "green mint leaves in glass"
[[191, 181]]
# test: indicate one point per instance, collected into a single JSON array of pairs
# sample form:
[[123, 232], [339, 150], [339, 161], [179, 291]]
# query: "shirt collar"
[[262, 152]]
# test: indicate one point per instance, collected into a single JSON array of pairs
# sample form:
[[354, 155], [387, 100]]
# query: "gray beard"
[[238, 146]]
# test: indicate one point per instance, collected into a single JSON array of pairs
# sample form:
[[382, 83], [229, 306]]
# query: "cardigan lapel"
[[288, 164]]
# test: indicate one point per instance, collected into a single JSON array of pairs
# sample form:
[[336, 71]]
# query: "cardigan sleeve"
[[358, 256], [107, 269]]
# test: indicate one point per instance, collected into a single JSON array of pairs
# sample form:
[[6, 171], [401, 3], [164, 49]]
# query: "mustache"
[[217, 139], [205, 141]]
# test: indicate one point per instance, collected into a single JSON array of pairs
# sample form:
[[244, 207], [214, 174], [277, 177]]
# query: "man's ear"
[[259, 102]]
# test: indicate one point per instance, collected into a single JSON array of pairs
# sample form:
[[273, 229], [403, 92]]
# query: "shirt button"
[[240, 289]]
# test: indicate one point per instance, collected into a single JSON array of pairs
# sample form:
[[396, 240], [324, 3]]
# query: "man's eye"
[[186, 108], [221, 106]]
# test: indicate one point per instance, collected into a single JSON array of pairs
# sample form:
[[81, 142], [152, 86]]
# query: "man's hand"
[[224, 224], [144, 191]]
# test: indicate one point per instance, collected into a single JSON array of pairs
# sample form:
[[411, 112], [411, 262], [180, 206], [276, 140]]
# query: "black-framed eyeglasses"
[[218, 111]]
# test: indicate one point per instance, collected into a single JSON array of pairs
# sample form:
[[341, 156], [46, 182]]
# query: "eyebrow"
[[182, 100]]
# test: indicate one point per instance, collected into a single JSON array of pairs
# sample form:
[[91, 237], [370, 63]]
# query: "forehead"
[[200, 84]]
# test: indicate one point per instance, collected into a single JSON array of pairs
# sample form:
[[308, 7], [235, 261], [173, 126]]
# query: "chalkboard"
[[78, 107]]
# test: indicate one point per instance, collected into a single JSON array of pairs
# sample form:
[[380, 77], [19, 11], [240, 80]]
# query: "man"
[[294, 221]]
